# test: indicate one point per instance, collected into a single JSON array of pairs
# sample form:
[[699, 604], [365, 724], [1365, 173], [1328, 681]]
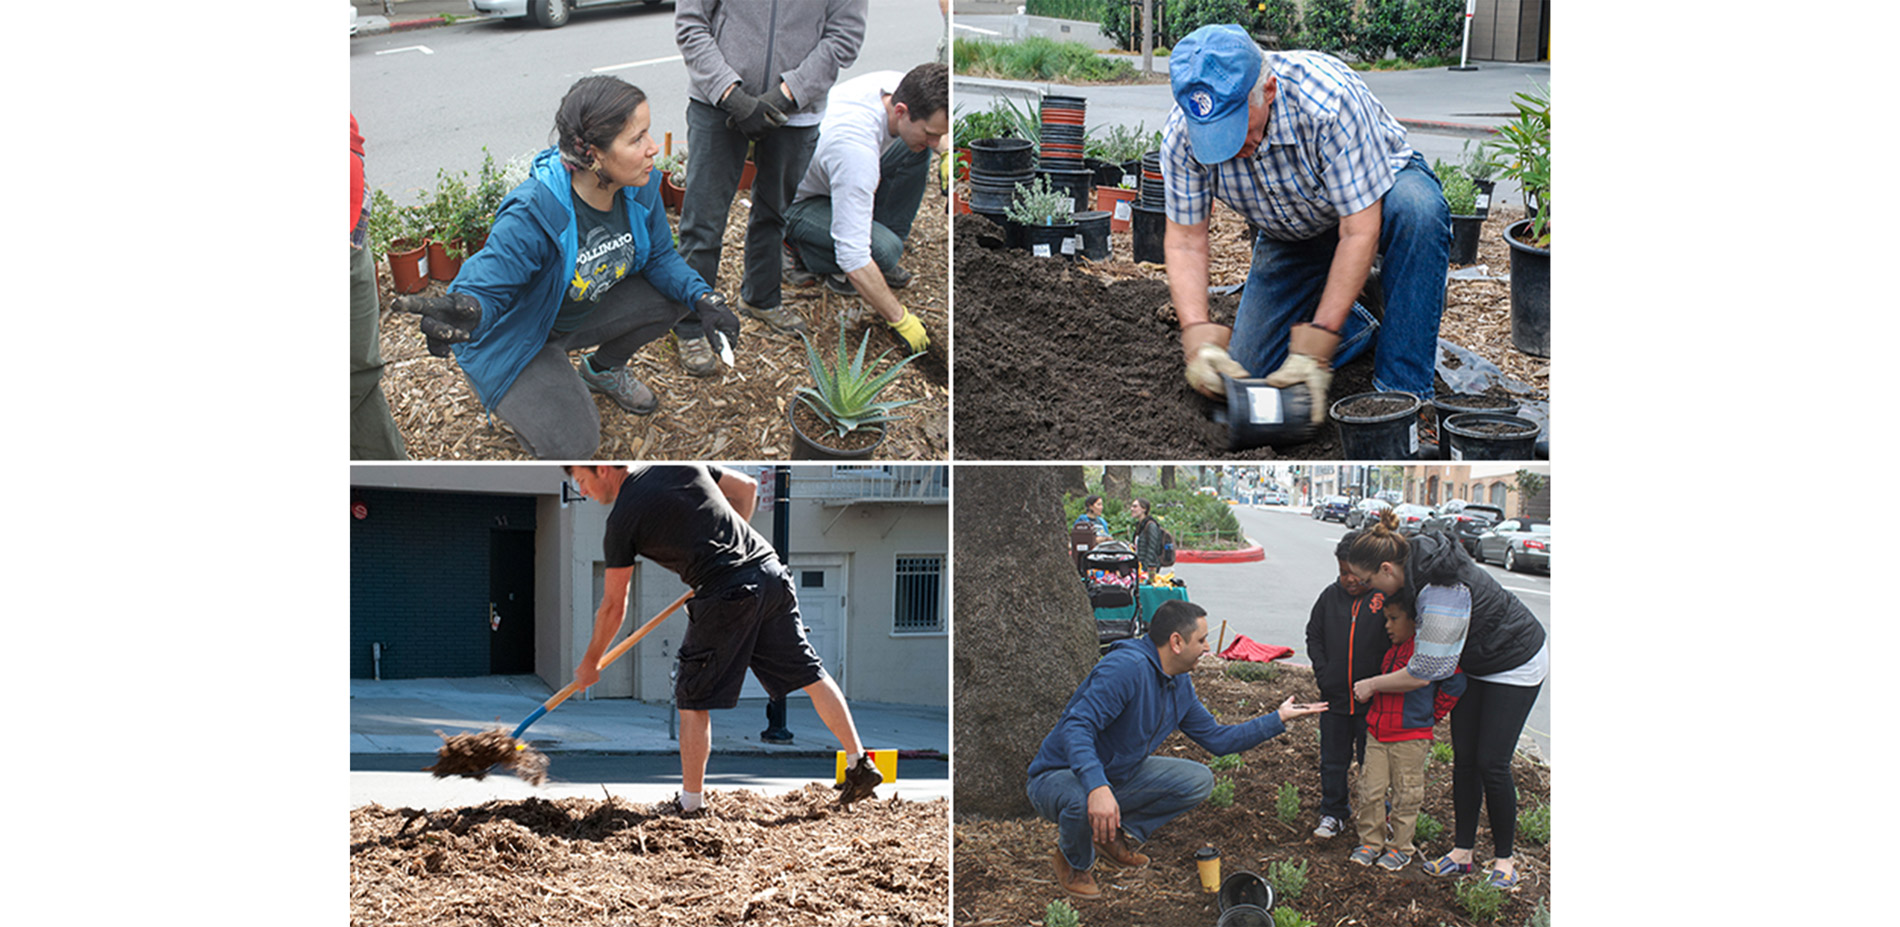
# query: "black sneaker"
[[859, 782]]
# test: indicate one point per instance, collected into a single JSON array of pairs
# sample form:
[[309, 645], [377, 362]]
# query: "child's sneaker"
[[1364, 854], [1329, 827], [1393, 861]]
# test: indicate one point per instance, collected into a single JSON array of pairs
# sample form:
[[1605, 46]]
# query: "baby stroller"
[[1111, 575]]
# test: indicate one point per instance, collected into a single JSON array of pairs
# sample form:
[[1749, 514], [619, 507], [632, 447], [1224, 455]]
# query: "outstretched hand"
[[446, 320], [1289, 710]]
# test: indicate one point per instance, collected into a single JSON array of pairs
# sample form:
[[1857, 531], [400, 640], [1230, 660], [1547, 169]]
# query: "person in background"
[[373, 433]]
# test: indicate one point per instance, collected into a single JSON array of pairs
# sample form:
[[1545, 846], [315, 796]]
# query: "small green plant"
[[1427, 828], [1460, 193], [1539, 917], [1441, 751], [1287, 917], [845, 395], [1288, 878], [1534, 824], [672, 163], [1479, 898], [1247, 671], [1523, 147], [1060, 914], [1223, 794], [1478, 162], [1287, 804], [1119, 143], [385, 223], [1037, 204], [1225, 763]]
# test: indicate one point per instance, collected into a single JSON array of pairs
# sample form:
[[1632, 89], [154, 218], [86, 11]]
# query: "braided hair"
[[590, 117]]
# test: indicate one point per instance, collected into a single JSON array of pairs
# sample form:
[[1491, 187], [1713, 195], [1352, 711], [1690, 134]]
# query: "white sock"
[[691, 801], [851, 760]]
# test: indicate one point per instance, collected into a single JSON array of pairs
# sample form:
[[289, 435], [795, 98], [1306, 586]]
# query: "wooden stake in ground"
[[471, 756]]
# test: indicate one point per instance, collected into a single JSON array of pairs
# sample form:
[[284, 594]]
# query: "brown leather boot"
[[1078, 884], [1119, 853]]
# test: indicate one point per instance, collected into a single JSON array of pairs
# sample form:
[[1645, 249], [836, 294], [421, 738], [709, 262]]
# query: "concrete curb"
[[1458, 129]]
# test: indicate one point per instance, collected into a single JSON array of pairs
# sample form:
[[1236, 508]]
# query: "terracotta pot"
[[1119, 204], [441, 266], [963, 205], [408, 267], [671, 194], [745, 176]]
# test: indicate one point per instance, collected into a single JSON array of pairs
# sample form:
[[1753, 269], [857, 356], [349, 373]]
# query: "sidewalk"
[[410, 14]]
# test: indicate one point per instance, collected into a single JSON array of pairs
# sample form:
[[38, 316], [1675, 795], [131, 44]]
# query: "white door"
[[820, 584]]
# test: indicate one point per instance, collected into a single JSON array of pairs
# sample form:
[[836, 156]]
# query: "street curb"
[[1457, 129], [1243, 555], [411, 25]]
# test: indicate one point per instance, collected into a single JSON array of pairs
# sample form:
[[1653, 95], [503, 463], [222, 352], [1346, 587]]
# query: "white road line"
[[421, 48], [956, 25], [1523, 589], [638, 64]]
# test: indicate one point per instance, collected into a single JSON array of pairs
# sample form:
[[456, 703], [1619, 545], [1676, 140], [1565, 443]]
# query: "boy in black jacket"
[[1346, 638]]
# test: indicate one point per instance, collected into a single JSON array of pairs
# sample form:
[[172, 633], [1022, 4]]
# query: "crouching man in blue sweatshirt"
[[1096, 776]]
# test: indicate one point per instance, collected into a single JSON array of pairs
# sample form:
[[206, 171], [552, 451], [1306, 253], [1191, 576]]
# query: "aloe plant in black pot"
[[839, 416]]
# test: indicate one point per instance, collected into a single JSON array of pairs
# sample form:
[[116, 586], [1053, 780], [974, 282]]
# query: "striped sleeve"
[[1444, 615]]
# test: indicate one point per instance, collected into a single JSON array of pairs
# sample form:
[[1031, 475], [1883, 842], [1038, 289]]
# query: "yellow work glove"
[[1309, 360], [912, 331], [947, 166]]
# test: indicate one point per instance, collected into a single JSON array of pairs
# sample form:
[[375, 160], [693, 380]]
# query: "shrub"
[[1247, 671], [1427, 829], [1287, 804], [1225, 763], [1441, 751], [1327, 26], [1460, 193], [1479, 898], [1282, 18], [1060, 914], [1287, 878], [1037, 204], [1287, 917], [1534, 824], [1539, 917], [1223, 794]]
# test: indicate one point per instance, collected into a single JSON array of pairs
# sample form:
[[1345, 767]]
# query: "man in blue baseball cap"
[[1298, 146]]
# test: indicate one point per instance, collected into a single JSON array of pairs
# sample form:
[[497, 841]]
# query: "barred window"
[[919, 605]]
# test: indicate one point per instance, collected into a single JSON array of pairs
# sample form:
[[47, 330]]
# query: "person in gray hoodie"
[[758, 73]]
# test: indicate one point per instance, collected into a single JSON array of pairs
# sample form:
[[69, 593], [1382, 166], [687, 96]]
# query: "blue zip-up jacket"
[[1126, 707], [521, 275]]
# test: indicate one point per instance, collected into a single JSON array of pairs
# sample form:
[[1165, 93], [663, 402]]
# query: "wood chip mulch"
[[793, 859]]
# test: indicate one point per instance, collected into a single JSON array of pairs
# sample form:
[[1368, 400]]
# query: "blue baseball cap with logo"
[[1212, 72]]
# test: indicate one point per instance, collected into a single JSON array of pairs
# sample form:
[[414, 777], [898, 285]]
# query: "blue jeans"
[[902, 176], [1288, 277], [1162, 789]]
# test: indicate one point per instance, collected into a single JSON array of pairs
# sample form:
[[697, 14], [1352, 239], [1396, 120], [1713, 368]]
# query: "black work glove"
[[446, 320], [779, 102], [747, 114], [716, 315]]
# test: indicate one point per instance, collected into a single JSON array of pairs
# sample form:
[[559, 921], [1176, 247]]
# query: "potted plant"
[[400, 234], [1480, 165], [1462, 196], [1523, 146], [672, 168], [839, 417], [1046, 217], [450, 213]]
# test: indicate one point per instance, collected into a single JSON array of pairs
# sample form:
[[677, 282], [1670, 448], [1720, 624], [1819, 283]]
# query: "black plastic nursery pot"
[[1530, 293], [1103, 173], [1004, 156], [1489, 436], [807, 447], [1149, 231], [1464, 238], [1485, 189], [1258, 415], [1378, 426], [1450, 404], [1245, 888], [1078, 185], [1093, 227], [1051, 241], [1245, 915]]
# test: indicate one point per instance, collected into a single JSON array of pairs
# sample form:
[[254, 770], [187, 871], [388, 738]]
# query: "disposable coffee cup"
[[1207, 859]]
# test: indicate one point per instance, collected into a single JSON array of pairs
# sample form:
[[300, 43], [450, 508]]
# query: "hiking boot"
[[1329, 827], [794, 272], [1119, 853], [696, 355], [779, 319], [620, 386], [859, 782], [898, 278], [840, 284], [1078, 884]]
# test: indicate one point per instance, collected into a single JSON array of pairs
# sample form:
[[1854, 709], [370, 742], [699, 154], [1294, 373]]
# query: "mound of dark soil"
[[1004, 875]]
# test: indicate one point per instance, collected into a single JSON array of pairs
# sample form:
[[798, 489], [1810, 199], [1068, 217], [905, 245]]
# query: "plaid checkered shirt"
[[1330, 150]]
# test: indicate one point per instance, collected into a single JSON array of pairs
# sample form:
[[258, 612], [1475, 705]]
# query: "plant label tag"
[[1071, 206], [1457, 453], [1131, 180], [1070, 244], [1484, 201], [1263, 404], [1041, 250], [1412, 433], [422, 264], [1122, 211]]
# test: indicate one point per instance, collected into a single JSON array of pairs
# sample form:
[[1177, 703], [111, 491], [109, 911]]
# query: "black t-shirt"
[[606, 256], [678, 518]]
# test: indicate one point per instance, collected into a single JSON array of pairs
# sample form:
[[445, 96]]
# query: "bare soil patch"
[[1004, 874], [794, 860], [737, 414]]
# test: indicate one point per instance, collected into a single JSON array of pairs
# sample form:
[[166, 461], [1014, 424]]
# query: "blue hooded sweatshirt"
[[521, 275], [1126, 707]]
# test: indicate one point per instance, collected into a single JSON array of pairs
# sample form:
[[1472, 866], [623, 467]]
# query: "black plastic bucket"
[[1078, 185], [1464, 238], [1002, 156], [1485, 189], [994, 193], [1051, 241], [1450, 404], [1389, 435], [1149, 230], [1530, 293], [1258, 415], [1245, 915], [1489, 436], [1093, 227], [1245, 888]]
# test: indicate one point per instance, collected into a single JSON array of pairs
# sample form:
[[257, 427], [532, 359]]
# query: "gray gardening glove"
[[446, 320]]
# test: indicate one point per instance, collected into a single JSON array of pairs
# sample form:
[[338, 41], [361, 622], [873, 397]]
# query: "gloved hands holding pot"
[[446, 320], [1204, 346], [1310, 361]]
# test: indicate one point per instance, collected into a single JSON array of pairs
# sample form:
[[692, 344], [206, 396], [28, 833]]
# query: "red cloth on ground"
[[1245, 648]]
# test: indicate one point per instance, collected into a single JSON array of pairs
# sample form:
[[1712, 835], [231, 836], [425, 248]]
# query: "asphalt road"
[[431, 99], [1270, 601]]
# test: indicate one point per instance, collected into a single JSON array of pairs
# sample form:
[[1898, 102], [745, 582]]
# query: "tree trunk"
[[1167, 476], [1118, 482], [1025, 633], [1070, 481]]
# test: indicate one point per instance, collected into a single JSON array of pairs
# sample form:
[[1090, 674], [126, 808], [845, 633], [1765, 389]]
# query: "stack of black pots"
[[997, 165], [1149, 225], [1062, 130]]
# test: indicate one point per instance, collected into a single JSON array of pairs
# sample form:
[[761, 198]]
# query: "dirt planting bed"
[[793, 860], [739, 413], [1005, 877], [1066, 361]]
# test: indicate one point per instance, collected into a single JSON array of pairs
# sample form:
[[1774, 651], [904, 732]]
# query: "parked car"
[[548, 14], [1389, 496], [1463, 521], [1412, 518], [1366, 512], [1333, 508], [1517, 543], [1273, 497]]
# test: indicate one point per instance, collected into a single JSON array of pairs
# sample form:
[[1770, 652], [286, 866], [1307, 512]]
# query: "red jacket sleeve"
[[356, 173]]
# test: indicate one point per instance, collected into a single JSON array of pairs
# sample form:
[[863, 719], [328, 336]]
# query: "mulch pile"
[[474, 756], [792, 859], [1004, 874], [737, 414]]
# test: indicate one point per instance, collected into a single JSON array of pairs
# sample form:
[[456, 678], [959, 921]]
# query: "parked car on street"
[[1365, 511], [1273, 497], [1463, 521], [1412, 518], [1389, 496], [1333, 508], [548, 14], [1517, 543]]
